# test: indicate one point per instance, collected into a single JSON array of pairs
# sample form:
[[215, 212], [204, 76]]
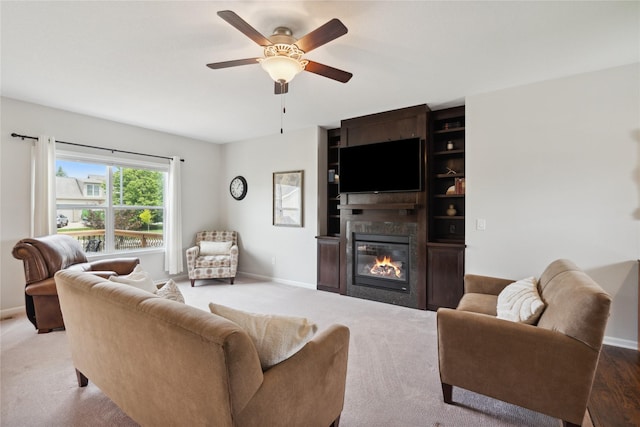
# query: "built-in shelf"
[[450, 175], [381, 206], [450, 130], [445, 245], [448, 153]]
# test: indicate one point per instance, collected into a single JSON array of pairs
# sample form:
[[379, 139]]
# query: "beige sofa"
[[548, 367], [166, 363]]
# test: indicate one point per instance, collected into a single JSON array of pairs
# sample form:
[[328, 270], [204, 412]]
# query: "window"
[[92, 189], [110, 206]]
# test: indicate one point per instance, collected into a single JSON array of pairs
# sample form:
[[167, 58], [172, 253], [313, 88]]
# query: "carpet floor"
[[392, 377]]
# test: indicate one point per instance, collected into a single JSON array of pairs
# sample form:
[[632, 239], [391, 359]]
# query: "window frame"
[[109, 208]]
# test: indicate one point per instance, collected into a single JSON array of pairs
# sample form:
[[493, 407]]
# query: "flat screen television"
[[390, 166]]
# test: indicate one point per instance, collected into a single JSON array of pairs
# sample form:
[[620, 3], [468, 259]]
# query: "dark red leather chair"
[[42, 258]]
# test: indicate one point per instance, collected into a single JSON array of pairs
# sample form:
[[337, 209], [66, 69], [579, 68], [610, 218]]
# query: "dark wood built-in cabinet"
[[329, 263], [439, 239], [333, 195], [447, 187], [445, 275], [447, 176], [385, 212], [328, 242]]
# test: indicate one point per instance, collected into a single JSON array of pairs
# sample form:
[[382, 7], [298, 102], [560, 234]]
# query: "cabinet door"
[[329, 264], [445, 276]]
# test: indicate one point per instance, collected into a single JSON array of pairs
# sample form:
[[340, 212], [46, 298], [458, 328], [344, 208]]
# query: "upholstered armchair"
[[547, 366], [214, 256], [42, 257]]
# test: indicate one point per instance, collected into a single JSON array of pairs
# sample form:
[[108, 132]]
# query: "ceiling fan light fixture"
[[281, 68], [283, 61]]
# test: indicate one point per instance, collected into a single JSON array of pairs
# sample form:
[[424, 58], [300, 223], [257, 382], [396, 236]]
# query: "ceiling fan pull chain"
[[283, 110]]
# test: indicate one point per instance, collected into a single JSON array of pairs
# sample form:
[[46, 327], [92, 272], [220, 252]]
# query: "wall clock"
[[238, 187]]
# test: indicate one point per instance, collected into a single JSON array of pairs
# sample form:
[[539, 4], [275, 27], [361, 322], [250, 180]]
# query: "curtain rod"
[[15, 135]]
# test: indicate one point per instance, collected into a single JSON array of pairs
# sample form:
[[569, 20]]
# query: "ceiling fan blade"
[[242, 26], [322, 35], [329, 72], [280, 88], [234, 63]]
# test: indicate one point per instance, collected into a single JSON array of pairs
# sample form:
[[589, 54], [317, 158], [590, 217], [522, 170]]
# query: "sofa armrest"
[[233, 264], [35, 267], [306, 389], [515, 362], [42, 288], [191, 254], [476, 284], [121, 266]]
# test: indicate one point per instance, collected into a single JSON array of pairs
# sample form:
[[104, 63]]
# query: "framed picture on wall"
[[287, 198]]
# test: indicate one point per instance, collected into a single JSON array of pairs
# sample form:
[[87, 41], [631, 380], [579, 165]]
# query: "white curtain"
[[43, 186], [173, 254]]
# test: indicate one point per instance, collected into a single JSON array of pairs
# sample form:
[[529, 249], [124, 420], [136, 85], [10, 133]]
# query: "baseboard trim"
[[277, 280], [619, 342], [8, 313]]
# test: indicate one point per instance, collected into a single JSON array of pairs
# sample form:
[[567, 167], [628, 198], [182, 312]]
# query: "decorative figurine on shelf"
[[452, 210], [449, 145]]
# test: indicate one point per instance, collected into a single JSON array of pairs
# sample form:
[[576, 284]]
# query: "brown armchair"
[[548, 367], [42, 258]]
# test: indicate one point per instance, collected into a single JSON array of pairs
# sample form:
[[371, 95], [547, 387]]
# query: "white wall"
[[293, 248], [553, 167], [200, 178]]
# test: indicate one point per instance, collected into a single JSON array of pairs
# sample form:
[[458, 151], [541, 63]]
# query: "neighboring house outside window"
[[110, 206]]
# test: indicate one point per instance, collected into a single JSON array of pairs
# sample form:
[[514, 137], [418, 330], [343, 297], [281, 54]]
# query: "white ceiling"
[[143, 63]]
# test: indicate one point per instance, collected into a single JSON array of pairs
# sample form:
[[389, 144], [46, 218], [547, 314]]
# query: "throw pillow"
[[276, 338], [170, 291], [215, 248], [138, 278], [521, 302]]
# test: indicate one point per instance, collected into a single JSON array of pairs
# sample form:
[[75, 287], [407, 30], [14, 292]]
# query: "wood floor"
[[615, 397]]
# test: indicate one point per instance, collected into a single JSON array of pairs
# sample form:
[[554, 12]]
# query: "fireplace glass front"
[[381, 261]]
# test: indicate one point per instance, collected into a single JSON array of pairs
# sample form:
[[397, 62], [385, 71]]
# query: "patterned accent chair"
[[215, 255]]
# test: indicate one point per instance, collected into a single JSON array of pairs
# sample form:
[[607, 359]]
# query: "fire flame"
[[386, 267]]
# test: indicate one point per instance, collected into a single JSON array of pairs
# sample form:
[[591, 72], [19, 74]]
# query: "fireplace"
[[381, 261], [393, 244]]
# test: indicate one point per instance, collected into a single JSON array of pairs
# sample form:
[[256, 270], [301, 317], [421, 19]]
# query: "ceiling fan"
[[283, 53]]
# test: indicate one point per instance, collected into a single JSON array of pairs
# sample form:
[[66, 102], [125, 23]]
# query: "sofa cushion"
[[170, 291], [479, 303], [138, 278], [215, 248], [276, 338], [520, 302], [213, 261], [586, 316]]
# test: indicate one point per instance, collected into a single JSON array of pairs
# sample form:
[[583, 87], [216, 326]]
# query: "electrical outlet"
[[481, 224], [273, 260]]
